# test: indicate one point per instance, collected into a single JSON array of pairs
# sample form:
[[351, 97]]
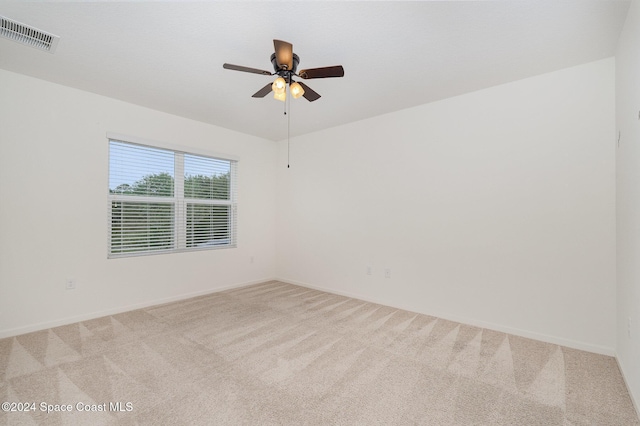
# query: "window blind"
[[162, 200]]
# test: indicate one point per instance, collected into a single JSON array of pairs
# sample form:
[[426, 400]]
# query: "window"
[[163, 200]]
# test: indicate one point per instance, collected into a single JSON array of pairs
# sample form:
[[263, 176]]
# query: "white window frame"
[[178, 200]]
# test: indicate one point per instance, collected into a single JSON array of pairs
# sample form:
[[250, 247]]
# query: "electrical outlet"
[[368, 270], [387, 273], [71, 284]]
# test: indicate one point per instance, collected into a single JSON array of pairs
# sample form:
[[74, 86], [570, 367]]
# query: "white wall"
[[628, 199], [53, 208], [495, 208]]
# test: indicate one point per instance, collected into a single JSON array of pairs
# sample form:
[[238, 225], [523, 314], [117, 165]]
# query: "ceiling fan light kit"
[[285, 64]]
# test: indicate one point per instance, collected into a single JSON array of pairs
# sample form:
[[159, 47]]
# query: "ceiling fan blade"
[[244, 69], [284, 54], [309, 93], [262, 92], [324, 72]]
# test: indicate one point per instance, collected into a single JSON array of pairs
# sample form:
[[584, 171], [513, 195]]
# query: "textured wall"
[[628, 199], [495, 208], [53, 208]]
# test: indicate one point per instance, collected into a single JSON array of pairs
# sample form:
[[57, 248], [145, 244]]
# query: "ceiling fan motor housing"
[[284, 72]]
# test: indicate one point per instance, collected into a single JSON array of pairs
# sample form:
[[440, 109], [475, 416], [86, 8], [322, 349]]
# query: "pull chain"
[[288, 107]]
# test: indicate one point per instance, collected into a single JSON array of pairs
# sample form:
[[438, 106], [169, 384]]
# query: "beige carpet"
[[279, 354]]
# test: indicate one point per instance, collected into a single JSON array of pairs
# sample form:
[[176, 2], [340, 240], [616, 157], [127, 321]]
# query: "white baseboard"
[[89, 316], [634, 401], [588, 347], [470, 321]]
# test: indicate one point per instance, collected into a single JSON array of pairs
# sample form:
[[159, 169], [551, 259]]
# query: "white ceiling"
[[168, 55]]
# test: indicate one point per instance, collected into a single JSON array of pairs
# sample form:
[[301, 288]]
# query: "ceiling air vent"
[[25, 34]]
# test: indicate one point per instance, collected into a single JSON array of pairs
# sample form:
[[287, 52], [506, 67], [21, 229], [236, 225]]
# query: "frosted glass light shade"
[[279, 85], [296, 90]]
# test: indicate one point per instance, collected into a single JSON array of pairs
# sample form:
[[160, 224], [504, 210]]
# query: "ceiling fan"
[[285, 64]]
